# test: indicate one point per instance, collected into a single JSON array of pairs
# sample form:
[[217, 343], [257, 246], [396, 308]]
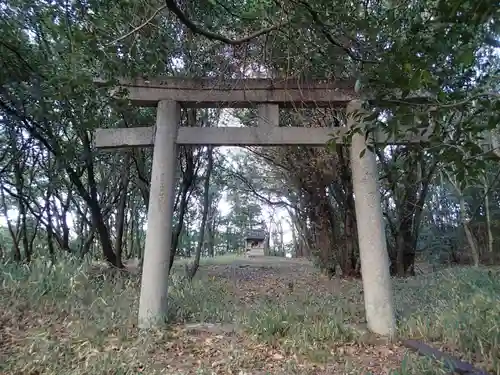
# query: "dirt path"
[[260, 281]]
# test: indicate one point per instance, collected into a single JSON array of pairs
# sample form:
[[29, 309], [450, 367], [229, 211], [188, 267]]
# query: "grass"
[[459, 308], [205, 261], [69, 319]]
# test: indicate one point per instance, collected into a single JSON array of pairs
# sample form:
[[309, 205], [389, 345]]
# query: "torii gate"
[[172, 94]]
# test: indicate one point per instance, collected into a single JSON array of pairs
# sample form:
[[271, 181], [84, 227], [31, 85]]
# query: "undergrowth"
[[459, 307], [64, 319]]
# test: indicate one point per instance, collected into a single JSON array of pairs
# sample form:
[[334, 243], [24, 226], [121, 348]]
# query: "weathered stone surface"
[[154, 283], [238, 93], [371, 236], [242, 136]]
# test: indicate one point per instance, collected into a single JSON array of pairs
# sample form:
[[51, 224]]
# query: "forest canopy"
[[416, 63]]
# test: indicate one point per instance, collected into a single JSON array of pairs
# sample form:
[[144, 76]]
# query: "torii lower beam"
[[165, 137], [239, 136]]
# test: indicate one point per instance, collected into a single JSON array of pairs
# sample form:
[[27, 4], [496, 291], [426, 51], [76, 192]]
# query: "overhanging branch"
[[253, 190], [137, 28], [324, 30], [183, 18]]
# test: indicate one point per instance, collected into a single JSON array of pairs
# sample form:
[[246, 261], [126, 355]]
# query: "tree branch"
[[421, 101], [142, 25], [20, 57], [254, 191], [323, 28], [267, 158], [183, 18]]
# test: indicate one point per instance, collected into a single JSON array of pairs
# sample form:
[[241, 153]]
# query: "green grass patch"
[[204, 261], [459, 307], [308, 328]]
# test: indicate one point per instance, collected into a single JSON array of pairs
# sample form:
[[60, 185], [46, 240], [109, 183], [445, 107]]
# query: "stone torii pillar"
[[377, 288], [154, 283]]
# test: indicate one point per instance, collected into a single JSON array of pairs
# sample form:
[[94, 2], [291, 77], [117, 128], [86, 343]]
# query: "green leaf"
[[371, 117], [467, 57], [358, 85], [425, 76], [332, 142], [415, 81], [492, 122], [441, 96], [460, 175]]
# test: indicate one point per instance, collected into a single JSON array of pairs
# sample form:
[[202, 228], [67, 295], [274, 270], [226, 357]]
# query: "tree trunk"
[[349, 252], [143, 177], [12, 230], [468, 233], [488, 216], [409, 199], [183, 203], [206, 205], [323, 222], [228, 238], [82, 230], [19, 184], [463, 218], [49, 228], [98, 220], [121, 211], [211, 237], [211, 226], [64, 243], [132, 229], [302, 235]]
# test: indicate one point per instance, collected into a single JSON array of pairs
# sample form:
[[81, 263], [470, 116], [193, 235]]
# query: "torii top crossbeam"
[[268, 95], [239, 93]]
